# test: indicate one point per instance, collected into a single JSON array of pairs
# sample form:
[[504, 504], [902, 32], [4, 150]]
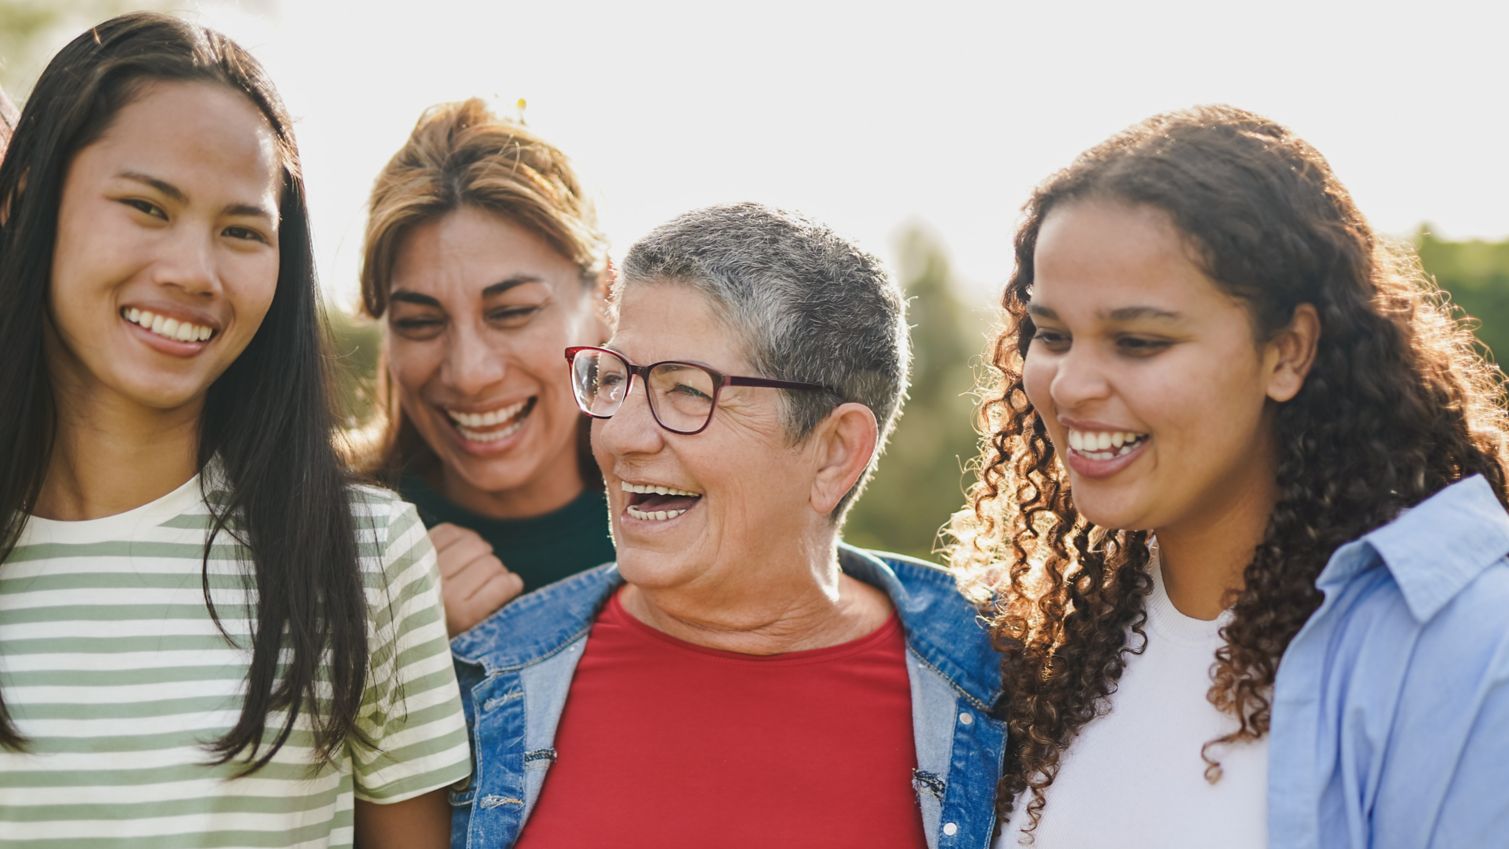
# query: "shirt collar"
[[1434, 549]]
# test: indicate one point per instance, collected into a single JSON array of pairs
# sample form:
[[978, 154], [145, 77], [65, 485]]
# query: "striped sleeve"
[[411, 713]]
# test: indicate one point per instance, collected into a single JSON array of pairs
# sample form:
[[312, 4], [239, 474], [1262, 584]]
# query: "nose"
[[188, 263], [471, 364], [631, 430], [1080, 378]]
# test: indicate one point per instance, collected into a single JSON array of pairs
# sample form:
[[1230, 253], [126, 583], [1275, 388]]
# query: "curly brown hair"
[[1398, 404]]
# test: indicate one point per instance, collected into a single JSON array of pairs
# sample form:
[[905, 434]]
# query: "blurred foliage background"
[[922, 477]]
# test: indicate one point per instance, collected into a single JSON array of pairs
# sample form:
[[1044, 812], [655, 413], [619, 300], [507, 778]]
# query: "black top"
[[540, 549]]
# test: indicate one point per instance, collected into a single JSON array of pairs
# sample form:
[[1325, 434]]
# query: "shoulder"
[[942, 627], [539, 623]]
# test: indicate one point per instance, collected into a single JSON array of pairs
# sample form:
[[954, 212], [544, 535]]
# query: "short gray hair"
[[810, 306]]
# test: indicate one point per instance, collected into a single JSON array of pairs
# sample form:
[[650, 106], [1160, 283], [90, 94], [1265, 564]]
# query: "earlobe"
[[1291, 353], [844, 444]]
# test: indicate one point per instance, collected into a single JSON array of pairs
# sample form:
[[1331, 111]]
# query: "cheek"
[[1037, 379], [412, 364]]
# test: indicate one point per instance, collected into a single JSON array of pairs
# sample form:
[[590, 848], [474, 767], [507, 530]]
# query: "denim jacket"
[[515, 670]]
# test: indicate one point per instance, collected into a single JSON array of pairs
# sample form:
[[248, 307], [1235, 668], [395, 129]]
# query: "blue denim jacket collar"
[[553, 617], [562, 612]]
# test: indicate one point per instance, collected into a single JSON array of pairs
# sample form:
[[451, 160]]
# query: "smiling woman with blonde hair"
[[483, 260]]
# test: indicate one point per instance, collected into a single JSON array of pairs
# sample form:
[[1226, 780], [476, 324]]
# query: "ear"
[[1287, 357], [843, 445]]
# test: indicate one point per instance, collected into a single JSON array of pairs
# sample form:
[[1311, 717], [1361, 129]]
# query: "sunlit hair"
[[462, 155], [808, 305], [7, 121], [267, 419], [1398, 404]]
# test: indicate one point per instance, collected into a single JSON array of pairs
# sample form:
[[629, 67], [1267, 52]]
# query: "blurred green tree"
[[920, 479], [356, 342], [1476, 274]]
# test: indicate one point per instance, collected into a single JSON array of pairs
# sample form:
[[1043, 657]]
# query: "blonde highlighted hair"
[[463, 155]]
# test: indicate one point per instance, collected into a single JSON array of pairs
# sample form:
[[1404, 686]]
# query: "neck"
[[1204, 560], [782, 609], [560, 486], [110, 456]]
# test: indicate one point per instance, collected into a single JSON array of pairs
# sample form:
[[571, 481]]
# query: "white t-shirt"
[[113, 671], [1134, 777]]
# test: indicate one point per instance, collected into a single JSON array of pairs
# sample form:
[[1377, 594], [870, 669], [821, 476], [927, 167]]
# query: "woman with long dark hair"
[[208, 637], [1239, 529]]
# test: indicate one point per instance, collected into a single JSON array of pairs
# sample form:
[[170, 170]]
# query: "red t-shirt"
[[666, 744]]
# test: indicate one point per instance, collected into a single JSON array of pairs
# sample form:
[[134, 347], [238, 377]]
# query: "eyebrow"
[[488, 291], [177, 196], [1120, 314]]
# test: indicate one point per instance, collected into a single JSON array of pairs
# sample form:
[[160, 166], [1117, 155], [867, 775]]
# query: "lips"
[[657, 502], [491, 425], [168, 327], [1104, 444]]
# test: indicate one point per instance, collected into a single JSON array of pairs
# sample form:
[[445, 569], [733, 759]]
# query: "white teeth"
[[656, 489], [487, 419], [490, 435], [653, 515], [170, 328], [1104, 445]]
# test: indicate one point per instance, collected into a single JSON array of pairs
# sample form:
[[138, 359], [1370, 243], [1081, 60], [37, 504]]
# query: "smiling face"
[[166, 259], [1148, 376], [699, 510], [480, 312]]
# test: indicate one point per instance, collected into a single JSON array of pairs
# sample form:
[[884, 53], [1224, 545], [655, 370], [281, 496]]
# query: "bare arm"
[[423, 822]]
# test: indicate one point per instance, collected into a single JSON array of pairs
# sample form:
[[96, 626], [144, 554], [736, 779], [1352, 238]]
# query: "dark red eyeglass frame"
[[720, 380]]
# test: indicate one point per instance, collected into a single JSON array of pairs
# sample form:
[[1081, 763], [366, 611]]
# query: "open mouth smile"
[[171, 329], [493, 425], [1106, 444], [657, 503]]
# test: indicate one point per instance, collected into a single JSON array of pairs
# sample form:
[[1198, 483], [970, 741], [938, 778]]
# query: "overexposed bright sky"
[[872, 115]]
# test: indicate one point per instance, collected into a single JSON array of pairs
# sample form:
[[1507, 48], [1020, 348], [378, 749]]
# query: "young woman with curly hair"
[[1239, 530]]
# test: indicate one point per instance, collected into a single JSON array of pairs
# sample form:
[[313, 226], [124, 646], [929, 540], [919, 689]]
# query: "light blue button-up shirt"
[[1391, 707]]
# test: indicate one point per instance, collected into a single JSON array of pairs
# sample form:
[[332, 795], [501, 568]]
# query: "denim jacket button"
[[950, 829], [966, 718]]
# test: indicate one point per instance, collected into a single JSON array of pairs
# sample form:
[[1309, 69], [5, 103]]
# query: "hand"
[[473, 581]]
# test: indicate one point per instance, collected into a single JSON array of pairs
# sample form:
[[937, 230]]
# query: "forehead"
[[208, 140], [1103, 255], [665, 320], [467, 249]]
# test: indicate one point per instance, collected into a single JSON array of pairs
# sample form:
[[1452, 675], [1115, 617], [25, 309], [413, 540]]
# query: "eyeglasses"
[[682, 395]]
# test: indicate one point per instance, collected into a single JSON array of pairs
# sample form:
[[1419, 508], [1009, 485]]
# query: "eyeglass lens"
[[681, 394]]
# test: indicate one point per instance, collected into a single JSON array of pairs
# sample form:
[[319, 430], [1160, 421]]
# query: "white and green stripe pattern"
[[112, 669]]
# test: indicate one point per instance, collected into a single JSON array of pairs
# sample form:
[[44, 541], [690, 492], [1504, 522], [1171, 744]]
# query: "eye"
[[246, 234], [690, 391], [1053, 340], [417, 327], [146, 207], [513, 316], [1141, 346]]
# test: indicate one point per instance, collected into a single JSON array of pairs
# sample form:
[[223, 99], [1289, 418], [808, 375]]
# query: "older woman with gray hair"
[[740, 677]]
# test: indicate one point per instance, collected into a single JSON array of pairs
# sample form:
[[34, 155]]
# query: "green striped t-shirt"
[[114, 673]]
